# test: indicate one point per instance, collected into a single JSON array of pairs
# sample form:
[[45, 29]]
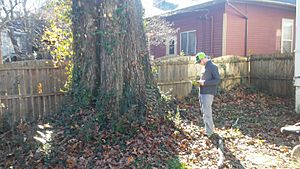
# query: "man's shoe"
[[213, 136], [216, 139], [209, 135]]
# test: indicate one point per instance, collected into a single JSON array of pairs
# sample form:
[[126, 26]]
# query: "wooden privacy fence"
[[273, 74], [175, 73], [30, 90]]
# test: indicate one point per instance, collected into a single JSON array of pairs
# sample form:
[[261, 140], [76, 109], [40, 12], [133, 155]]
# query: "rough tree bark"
[[111, 61]]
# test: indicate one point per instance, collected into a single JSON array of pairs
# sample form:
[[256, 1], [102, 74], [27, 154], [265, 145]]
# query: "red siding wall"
[[208, 40], [264, 29], [157, 51]]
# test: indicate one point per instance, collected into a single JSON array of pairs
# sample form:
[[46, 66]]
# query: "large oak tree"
[[111, 63]]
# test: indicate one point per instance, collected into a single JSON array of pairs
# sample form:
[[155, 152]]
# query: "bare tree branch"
[[158, 30]]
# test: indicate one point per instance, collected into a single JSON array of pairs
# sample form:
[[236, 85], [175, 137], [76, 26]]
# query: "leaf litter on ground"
[[249, 122]]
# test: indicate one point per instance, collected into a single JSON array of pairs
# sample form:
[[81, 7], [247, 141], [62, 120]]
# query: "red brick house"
[[232, 27]]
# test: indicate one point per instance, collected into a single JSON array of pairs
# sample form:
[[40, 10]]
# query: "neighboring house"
[[232, 27]]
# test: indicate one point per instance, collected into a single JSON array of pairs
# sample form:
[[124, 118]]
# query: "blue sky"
[[152, 11]]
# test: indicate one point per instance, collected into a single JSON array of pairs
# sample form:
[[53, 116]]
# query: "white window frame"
[[168, 47], [188, 40], [284, 40]]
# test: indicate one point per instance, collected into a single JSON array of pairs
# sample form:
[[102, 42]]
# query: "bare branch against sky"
[[34, 5]]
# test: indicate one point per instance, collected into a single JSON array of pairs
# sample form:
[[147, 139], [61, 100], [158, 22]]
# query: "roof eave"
[[266, 2]]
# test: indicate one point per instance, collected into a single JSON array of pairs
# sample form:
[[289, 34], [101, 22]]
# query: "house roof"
[[152, 10], [282, 3]]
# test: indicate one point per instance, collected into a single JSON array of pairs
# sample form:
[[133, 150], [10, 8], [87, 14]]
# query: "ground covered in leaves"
[[248, 121]]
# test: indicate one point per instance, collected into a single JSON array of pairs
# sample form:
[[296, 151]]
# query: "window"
[[171, 47], [287, 35], [188, 42]]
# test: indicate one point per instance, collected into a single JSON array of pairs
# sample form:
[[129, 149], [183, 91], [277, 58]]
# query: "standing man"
[[209, 80]]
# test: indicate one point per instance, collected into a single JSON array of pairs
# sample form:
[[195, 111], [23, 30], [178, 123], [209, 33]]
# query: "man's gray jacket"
[[211, 77]]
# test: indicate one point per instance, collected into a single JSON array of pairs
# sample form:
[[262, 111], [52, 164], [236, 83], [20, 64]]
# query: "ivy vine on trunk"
[[111, 62]]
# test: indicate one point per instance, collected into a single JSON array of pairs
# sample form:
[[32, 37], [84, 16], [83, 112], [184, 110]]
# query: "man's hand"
[[197, 83], [200, 82]]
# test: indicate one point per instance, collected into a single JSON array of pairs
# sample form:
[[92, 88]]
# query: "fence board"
[[29, 90]]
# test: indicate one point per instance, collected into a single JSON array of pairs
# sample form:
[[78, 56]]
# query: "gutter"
[[214, 2], [246, 25], [274, 2]]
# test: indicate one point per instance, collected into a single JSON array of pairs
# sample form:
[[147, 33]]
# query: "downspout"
[[204, 45], [211, 35], [211, 30], [297, 59], [246, 25]]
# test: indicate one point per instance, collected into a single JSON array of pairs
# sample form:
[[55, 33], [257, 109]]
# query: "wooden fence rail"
[[30, 90]]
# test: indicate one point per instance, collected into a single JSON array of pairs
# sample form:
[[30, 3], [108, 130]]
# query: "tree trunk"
[[111, 62]]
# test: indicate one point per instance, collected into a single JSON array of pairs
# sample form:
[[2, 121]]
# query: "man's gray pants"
[[206, 101]]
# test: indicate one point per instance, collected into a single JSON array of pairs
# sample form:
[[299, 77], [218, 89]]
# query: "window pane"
[[183, 42], [287, 35], [287, 32], [192, 43], [287, 46], [171, 47]]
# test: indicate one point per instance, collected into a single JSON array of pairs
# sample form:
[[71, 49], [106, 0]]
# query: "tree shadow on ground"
[[210, 149], [231, 161]]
